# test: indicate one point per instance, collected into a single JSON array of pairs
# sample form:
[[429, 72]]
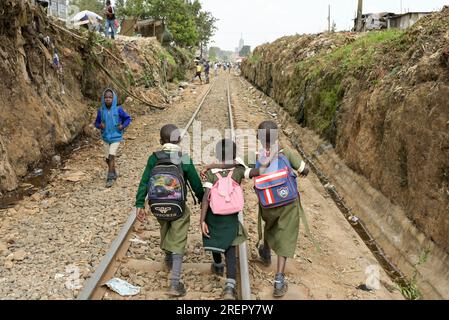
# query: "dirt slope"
[[380, 99], [39, 110]]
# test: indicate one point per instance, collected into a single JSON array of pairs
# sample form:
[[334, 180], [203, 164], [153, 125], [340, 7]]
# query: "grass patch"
[[254, 58], [165, 56], [410, 289]]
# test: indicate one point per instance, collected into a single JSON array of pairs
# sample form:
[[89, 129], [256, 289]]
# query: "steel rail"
[[243, 252], [94, 281]]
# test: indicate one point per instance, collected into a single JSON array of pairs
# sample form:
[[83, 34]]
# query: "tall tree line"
[[188, 23]]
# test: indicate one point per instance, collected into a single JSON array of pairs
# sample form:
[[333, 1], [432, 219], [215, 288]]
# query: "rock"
[[9, 265], [3, 248], [67, 52], [208, 288], [125, 272], [75, 176], [129, 100], [19, 255], [183, 85], [56, 160]]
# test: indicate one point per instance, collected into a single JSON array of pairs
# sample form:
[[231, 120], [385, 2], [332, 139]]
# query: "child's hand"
[[304, 173], [120, 127], [102, 126], [203, 172], [141, 215], [205, 229]]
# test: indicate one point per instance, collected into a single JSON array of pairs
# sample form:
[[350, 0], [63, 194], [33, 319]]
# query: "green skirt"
[[224, 232], [282, 228], [174, 234]]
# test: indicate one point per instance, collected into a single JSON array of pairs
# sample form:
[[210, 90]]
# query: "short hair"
[[268, 133], [108, 2], [170, 134], [226, 150]]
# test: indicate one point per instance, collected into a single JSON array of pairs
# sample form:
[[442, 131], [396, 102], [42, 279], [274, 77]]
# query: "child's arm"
[[221, 166], [98, 123], [296, 163], [204, 208], [126, 119], [143, 188], [193, 179]]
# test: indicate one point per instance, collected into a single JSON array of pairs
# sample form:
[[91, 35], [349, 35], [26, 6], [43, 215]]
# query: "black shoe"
[[178, 290], [265, 255], [280, 291], [229, 293], [109, 183], [217, 270]]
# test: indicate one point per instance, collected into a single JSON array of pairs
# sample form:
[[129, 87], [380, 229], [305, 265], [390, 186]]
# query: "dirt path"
[[47, 238]]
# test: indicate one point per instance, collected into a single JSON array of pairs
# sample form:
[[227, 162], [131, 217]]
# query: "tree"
[[96, 6], [189, 25], [245, 52], [133, 8], [205, 23], [213, 53]]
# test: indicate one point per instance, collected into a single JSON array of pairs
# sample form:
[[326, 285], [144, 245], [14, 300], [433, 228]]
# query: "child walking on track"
[[112, 120], [164, 181], [279, 203], [222, 202]]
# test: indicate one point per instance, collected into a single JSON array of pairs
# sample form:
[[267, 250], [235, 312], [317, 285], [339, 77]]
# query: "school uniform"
[[173, 233], [225, 231], [281, 228]]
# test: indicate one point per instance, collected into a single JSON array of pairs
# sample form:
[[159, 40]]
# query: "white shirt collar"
[[171, 147]]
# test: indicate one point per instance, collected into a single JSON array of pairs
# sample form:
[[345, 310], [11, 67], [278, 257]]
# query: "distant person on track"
[[199, 69], [216, 69], [164, 172], [222, 202], [207, 71], [112, 120], [109, 13]]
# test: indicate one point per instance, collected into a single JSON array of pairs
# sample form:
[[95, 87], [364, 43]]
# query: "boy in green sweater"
[[173, 233]]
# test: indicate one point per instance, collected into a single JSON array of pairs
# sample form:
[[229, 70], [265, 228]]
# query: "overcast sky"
[[263, 21]]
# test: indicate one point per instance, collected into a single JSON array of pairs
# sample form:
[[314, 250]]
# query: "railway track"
[[117, 256]]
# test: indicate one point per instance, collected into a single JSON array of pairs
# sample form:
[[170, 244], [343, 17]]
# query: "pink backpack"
[[226, 196]]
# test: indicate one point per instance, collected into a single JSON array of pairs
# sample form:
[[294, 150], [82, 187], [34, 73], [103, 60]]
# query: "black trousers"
[[231, 261]]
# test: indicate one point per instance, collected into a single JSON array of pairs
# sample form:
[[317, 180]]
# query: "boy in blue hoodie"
[[112, 120]]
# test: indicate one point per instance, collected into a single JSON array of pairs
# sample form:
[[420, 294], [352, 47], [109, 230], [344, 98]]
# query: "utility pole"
[[359, 24], [401, 6], [329, 20]]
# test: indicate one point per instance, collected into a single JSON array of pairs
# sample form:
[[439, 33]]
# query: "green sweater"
[[190, 175]]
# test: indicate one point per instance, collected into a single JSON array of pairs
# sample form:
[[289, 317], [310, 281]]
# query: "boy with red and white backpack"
[[279, 202], [222, 202]]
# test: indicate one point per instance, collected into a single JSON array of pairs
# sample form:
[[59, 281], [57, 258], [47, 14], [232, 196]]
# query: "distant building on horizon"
[[389, 20], [241, 43]]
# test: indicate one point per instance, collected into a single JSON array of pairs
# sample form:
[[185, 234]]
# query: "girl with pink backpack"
[[222, 202]]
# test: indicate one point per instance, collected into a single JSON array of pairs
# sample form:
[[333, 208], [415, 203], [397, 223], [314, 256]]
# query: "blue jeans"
[[110, 24]]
